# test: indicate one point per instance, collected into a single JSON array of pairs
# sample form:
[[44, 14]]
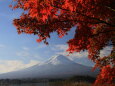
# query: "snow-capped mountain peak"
[[56, 67], [59, 59]]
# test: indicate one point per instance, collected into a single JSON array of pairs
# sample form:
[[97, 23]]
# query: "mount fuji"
[[56, 67]]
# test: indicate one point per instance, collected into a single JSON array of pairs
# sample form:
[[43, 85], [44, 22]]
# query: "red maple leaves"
[[106, 76], [94, 19]]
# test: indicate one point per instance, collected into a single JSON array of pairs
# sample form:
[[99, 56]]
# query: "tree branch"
[[102, 32], [110, 8], [101, 21]]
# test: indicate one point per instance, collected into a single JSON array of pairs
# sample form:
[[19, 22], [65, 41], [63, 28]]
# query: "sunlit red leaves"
[[81, 38], [10, 5], [106, 76], [94, 19]]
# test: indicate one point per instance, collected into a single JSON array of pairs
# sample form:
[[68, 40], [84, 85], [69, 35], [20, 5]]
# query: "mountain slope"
[[56, 67]]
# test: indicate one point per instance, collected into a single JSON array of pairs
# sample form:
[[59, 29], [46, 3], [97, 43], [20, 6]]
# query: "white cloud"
[[62, 50], [26, 48], [2, 46], [75, 55], [12, 65], [28, 55], [23, 54], [31, 63], [106, 51], [84, 54], [41, 46], [60, 47]]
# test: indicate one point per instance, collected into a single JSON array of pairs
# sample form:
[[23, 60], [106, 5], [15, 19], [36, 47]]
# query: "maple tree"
[[94, 21]]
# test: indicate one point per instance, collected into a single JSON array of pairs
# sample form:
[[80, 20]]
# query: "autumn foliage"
[[94, 21]]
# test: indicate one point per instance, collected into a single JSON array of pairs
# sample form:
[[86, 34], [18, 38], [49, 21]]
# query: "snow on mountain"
[[84, 61], [60, 59], [56, 67]]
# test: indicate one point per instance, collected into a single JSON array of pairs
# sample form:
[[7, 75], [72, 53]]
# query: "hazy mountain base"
[[73, 81], [59, 83], [65, 83], [51, 84]]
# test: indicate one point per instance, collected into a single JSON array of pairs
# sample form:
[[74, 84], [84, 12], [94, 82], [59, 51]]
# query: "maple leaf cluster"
[[94, 21], [106, 75]]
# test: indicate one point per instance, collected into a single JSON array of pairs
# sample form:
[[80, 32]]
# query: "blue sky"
[[14, 43], [24, 48], [19, 51]]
